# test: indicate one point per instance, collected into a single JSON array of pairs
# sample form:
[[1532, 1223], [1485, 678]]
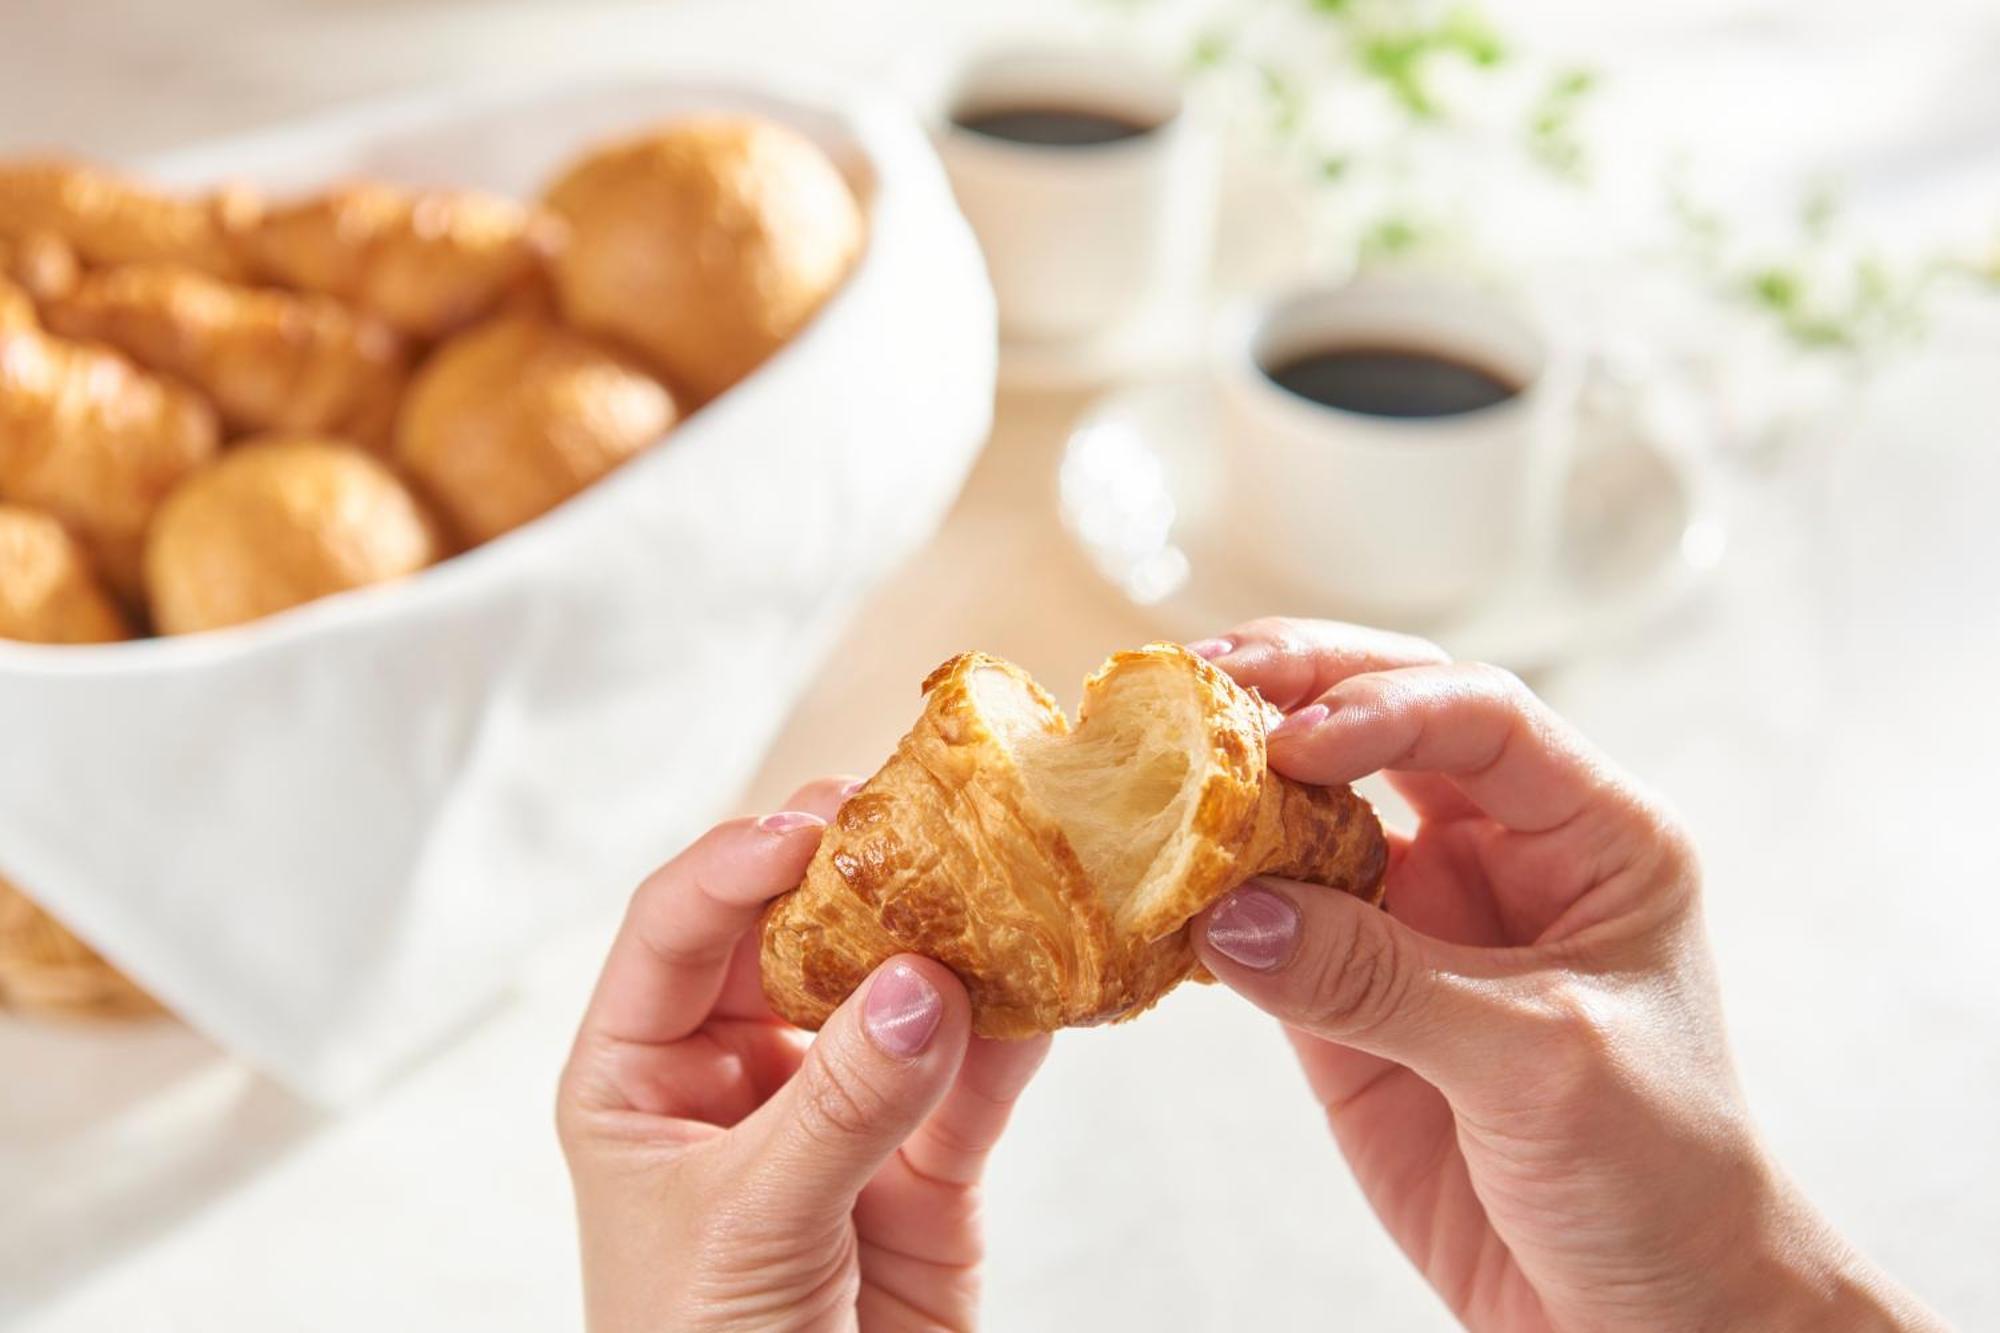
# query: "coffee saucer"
[[1142, 478]]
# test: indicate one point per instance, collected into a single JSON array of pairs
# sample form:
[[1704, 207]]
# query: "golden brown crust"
[[96, 441], [35, 268], [17, 311], [704, 245], [513, 417], [46, 969], [48, 591], [949, 852], [112, 220], [277, 523], [427, 262], [269, 360]]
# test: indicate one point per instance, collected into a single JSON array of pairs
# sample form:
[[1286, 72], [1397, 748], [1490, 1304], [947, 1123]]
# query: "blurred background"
[[1766, 238]]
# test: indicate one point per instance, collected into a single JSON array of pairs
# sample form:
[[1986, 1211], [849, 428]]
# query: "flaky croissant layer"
[[1055, 869]]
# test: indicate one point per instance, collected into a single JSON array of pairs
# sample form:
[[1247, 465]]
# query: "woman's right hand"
[[1522, 1057]]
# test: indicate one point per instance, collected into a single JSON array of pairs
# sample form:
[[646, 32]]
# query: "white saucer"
[[1141, 475]]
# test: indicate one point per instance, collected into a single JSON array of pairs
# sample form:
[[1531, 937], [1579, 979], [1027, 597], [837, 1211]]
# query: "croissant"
[[111, 220], [1055, 870], [704, 245], [428, 263], [511, 418], [269, 360], [278, 522], [48, 591], [97, 442]]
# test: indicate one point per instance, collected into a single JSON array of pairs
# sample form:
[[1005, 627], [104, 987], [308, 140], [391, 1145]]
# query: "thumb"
[[879, 1066], [1332, 965]]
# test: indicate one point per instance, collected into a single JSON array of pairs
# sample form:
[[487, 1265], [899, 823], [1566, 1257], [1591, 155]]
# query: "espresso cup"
[[1082, 230], [1373, 504]]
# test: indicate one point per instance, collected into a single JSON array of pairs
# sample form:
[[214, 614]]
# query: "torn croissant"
[[1055, 869]]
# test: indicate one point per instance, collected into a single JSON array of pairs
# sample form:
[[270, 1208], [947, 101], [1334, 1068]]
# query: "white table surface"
[[1827, 719]]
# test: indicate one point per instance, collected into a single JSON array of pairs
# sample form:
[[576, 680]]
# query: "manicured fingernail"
[[853, 787], [784, 821], [1304, 720], [1255, 927], [1212, 648], [902, 1010]]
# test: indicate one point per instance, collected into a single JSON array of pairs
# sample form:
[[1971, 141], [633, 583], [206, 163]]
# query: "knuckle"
[[1371, 691], [1499, 683], [1574, 1036], [571, 1132], [836, 1100], [578, 1090], [1280, 634], [1359, 978], [1671, 833]]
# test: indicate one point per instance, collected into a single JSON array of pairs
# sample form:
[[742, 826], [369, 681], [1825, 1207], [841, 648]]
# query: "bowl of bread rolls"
[[394, 509]]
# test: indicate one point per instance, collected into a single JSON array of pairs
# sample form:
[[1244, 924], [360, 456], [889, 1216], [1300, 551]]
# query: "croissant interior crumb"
[[1120, 783]]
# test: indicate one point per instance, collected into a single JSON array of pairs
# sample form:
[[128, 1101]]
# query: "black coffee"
[[1392, 382], [1052, 126]]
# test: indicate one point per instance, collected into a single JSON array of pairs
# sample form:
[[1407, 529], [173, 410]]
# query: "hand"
[[725, 1174], [1522, 1058]]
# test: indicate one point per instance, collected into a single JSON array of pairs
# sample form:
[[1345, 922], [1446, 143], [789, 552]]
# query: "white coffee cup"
[[1079, 238], [1400, 520]]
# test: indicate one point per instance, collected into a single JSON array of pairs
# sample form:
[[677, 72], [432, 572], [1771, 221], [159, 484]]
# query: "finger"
[[1478, 725], [716, 1077], [952, 1146], [1331, 965], [901, 1209], [1433, 797], [1291, 662], [823, 796], [667, 964], [1432, 887], [742, 992], [880, 1066]]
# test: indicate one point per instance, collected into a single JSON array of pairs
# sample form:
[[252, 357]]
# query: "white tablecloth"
[[1827, 719]]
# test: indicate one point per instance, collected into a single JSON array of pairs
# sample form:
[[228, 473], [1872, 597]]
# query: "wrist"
[[1797, 1272]]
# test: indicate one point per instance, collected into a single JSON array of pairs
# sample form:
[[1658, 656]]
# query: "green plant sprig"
[[1818, 289]]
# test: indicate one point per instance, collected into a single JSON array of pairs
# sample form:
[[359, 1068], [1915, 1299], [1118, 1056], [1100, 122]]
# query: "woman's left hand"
[[728, 1175]]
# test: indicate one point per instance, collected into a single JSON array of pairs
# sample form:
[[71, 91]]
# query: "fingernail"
[[1304, 720], [1255, 927], [1212, 648], [902, 1011], [784, 821], [853, 787]]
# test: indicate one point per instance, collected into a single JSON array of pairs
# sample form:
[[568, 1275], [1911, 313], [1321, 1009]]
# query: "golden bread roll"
[[17, 311], [48, 591], [112, 220], [96, 441], [704, 245], [427, 262], [269, 360], [510, 419], [39, 267], [44, 968], [275, 523], [1055, 869]]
